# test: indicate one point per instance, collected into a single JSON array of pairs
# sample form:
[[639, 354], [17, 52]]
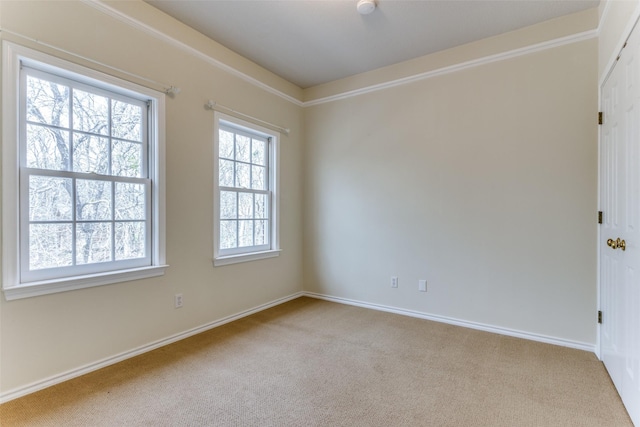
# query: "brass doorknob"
[[618, 243]]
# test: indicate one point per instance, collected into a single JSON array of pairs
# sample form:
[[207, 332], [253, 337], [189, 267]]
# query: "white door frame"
[[633, 21]]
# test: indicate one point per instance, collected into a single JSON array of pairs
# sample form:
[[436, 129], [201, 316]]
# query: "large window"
[[245, 187], [87, 154]]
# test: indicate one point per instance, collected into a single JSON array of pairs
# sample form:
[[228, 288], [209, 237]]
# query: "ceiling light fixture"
[[365, 7]]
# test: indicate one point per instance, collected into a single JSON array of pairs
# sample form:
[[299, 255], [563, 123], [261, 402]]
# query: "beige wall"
[[48, 335], [482, 181]]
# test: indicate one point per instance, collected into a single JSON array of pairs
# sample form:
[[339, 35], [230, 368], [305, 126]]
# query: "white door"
[[620, 231]]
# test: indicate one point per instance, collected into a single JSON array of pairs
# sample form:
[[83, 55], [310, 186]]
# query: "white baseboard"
[[464, 323], [65, 376], [74, 373]]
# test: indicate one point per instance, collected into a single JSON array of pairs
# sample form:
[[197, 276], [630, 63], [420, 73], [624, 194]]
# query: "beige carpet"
[[316, 363]]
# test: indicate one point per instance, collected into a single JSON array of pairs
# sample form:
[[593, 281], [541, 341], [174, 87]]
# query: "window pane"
[[226, 144], [258, 152], [93, 242], [226, 173], [47, 102], [50, 246], [243, 178], [228, 236], [47, 148], [262, 232], [261, 209], [228, 205], [93, 200], [257, 178], [245, 205], [130, 201], [90, 112], [130, 240], [243, 147], [245, 233], [126, 159], [126, 121], [90, 154], [50, 198]]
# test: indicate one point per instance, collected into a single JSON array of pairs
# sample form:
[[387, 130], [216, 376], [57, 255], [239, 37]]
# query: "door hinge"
[[599, 316], [600, 118], [599, 217]]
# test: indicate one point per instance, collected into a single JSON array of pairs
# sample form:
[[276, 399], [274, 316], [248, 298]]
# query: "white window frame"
[[225, 257], [16, 286]]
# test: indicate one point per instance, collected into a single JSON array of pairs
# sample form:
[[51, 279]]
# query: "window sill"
[[80, 282], [234, 259]]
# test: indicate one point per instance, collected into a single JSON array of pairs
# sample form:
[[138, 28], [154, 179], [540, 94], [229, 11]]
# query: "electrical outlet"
[[394, 281], [178, 300], [422, 285]]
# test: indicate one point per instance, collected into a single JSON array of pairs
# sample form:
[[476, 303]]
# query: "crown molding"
[[550, 44], [135, 23]]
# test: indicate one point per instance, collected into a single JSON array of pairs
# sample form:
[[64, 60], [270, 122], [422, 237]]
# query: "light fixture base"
[[365, 7]]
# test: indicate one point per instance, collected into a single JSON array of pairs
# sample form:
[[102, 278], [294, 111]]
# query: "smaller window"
[[245, 191]]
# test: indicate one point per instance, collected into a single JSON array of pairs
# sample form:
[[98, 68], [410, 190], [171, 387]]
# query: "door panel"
[[620, 202]]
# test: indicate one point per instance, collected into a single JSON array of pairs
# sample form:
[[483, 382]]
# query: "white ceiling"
[[310, 42]]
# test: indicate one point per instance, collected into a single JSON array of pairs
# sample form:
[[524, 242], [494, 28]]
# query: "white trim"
[[12, 283], [631, 24], [253, 256], [96, 4], [633, 19], [457, 322], [225, 257], [550, 44], [598, 349], [605, 14], [64, 284], [74, 373], [10, 165]]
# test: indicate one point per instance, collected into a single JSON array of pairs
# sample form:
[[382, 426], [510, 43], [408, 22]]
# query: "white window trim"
[[274, 177], [12, 286]]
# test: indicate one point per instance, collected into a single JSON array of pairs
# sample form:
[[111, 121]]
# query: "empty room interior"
[[332, 212]]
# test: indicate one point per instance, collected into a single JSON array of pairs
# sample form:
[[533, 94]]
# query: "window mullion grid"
[[110, 143], [72, 135], [74, 210], [41, 209], [267, 163], [235, 183], [113, 221], [250, 163], [267, 177], [238, 191], [113, 183], [74, 222]]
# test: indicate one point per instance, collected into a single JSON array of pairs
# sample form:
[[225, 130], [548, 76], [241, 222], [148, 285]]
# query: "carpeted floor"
[[315, 363]]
